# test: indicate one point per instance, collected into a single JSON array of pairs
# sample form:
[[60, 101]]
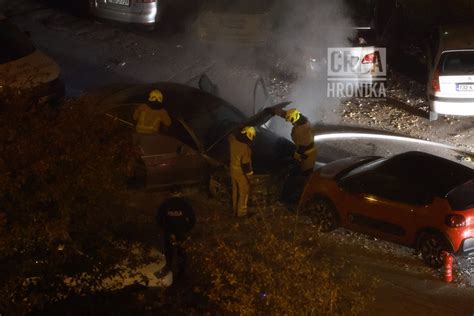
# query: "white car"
[[146, 12], [24, 69], [450, 87]]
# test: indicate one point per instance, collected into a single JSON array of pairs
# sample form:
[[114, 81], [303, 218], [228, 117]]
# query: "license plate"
[[119, 2], [465, 87]]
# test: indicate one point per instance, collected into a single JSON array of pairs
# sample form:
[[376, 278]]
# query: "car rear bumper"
[[148, 15], [452, 106]]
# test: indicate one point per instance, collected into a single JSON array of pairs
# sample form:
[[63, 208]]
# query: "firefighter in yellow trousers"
[[304, 155], [241, 168], [152, 115], [302, 136]]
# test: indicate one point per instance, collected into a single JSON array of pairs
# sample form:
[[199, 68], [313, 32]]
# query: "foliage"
[[260, 266], [62, 187]]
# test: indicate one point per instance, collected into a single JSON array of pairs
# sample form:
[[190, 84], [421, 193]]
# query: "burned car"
[[194, 149], [414, 198]]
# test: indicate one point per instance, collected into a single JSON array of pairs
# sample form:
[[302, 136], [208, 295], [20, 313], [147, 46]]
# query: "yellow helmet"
[[292, 116], [249, 132], [155, 96]]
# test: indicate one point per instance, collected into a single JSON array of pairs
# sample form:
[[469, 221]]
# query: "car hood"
[[338, 168]]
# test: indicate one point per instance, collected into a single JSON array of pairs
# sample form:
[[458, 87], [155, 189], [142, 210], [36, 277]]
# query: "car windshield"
[[457, 63], [239, 6], [13, 42], [213, 123]]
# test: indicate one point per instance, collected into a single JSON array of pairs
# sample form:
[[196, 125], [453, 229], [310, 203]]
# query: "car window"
[[462, 197], [209, 126], [455, 63], [365, 168], [178, 131], [13, 42], [388, 187]]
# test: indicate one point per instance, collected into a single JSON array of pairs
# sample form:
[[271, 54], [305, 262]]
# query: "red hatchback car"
[[415, 199]]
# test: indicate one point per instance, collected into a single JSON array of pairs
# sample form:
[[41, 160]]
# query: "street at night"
[[236, 157]]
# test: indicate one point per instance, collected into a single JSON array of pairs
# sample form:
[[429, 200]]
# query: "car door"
[[384, 205], [171, 158]]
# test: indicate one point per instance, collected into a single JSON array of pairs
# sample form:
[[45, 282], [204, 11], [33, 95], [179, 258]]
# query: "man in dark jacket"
[[176, 219]]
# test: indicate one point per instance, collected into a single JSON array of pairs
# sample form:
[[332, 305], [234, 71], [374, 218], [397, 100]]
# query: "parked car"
[[195, 147], [450, 87], [414, 198], [145, 12], [25, 71]]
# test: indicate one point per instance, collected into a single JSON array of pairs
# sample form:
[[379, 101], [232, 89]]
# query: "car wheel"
[[433, 116], [431, 247], [322, 213]]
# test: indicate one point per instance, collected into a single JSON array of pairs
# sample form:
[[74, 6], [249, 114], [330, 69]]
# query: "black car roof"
[[439, 175], [178, 99]]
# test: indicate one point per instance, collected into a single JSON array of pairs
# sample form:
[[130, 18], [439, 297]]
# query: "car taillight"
[[369, 58], [435, 82], [455, 220]]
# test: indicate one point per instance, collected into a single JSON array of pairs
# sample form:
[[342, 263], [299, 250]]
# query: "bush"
[[62, 191], [261, 266]]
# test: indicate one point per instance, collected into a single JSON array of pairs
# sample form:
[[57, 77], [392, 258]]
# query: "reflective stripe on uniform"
[[310, 151], [247, 169]]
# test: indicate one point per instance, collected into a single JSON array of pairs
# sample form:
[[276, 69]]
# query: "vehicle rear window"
[[462, 197], [457, 63], [13, 42]]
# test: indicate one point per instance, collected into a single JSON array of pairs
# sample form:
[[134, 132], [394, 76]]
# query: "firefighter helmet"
[[155, 96], [292, 116], [249, 132]]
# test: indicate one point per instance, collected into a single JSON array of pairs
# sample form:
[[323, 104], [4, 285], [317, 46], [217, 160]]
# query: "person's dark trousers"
[[174, 254], [294, 185]]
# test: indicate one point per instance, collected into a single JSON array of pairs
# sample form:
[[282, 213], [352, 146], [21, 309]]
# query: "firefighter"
[[151, 116], [241, 168], [304, 155], [302, 136]]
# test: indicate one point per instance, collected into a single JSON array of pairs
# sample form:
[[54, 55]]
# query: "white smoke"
[[302, 32], [307, 30]]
